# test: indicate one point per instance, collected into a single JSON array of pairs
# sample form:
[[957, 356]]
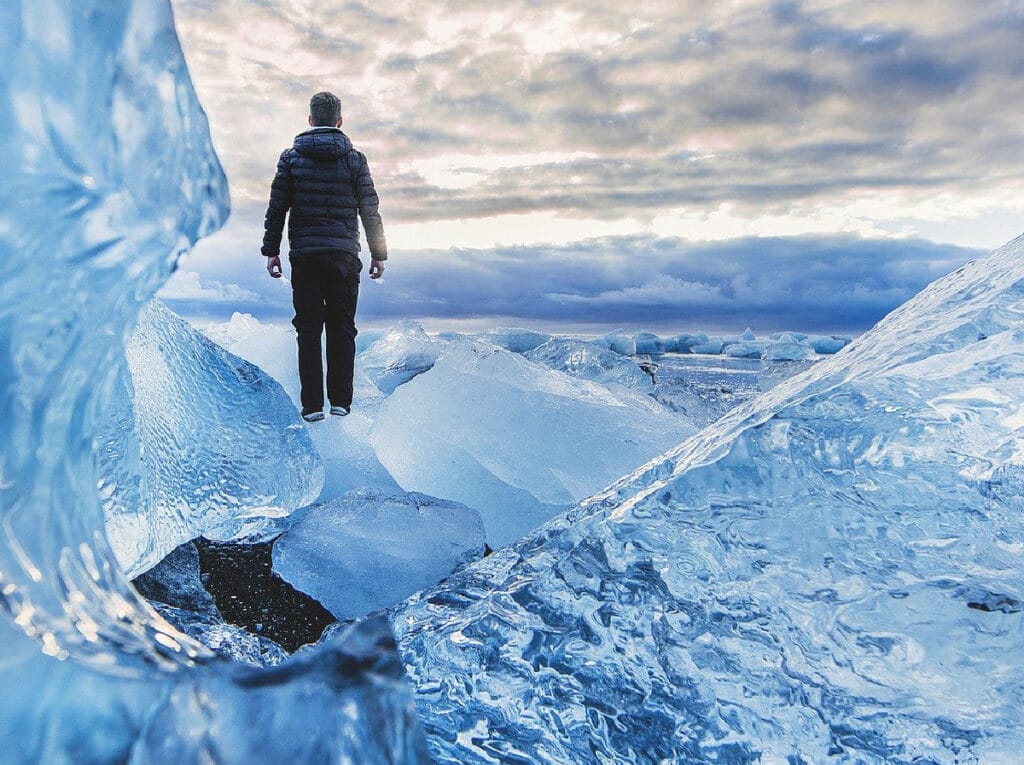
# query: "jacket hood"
[[322, 143]]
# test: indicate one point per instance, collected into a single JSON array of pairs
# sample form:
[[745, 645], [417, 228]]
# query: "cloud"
[[811, 283], [186, 286], [671, 104]]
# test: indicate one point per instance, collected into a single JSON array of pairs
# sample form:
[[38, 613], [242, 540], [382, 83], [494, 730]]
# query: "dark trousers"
[[325, 287]]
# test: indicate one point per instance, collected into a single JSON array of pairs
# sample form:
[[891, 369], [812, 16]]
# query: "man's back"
[[325, 183]]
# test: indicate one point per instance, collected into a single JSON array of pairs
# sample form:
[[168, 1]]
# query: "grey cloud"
[[826, 284], [806, 99]]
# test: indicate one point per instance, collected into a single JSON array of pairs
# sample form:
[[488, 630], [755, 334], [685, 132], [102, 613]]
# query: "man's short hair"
[[325, 109]]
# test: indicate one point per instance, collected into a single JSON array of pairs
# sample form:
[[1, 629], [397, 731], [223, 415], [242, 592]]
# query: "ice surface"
[[830, 344], [515, 340], [342, 442], [400, 354], [832, 572], [224, 639], [745, 349], [222, 449], [366, 550], [786, 347], [176, 581], [648, 342], [711, 345], [503, 435], [684, 343], [620, 341], [590, 361], [109, 176]]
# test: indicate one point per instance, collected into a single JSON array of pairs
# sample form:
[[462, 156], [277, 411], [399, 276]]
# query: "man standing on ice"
[[324, 182]]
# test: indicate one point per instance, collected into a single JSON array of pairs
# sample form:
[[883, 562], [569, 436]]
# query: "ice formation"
[[515, 340], [342, 442], [832, 572], [502, 434], [590, 361], [109, 177], [400, 354], [222, 451], [367, 550]]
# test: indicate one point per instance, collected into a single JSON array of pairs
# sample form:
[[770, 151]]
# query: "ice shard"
[[513, 439], [222, 450], [834, 571], [109, 176]]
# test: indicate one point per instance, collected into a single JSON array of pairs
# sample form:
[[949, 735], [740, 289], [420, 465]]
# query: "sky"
[[589, 164]]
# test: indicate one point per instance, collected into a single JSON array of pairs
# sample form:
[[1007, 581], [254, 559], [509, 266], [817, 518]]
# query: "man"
[[324, 182]]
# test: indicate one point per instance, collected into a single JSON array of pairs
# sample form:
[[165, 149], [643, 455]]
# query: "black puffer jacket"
[[324, 182]]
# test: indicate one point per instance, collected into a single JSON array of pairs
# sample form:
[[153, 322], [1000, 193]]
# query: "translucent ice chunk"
[[831, 571], [828, 344], [342, 442], [785, 348], [621, 342], [222, 448], [516, 340], [648, 342], [590, 361], [513, 439], [745, 349], [366, 550], [400, 354], [684, 343]]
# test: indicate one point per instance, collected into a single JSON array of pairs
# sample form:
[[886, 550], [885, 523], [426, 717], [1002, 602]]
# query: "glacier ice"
[[224, 639], [109, 177], [501, 434], [831, 572], [515, 340], [342, 442], [367, 550], [222, 451], [785, 347], [620, 341], [648, 342], [590, 361], [400, 354], [176, 581]]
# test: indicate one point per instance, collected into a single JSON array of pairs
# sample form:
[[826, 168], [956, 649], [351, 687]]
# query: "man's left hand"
[[274, 266], [376, 269]]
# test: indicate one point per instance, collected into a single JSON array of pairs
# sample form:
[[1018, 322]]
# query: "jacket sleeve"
[[281, 196], [366, 196]]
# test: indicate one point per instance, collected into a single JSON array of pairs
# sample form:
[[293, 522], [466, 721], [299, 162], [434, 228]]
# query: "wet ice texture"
[[400, 354], [513, 439], [590, 361], [833, 570], [222, 449], [109, 176], [366, 551]]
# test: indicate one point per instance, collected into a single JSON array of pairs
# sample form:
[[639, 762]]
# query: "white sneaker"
[[313, 415], [340, 411]]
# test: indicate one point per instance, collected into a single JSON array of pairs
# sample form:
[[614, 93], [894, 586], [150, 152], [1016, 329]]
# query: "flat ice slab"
[[366, 550]]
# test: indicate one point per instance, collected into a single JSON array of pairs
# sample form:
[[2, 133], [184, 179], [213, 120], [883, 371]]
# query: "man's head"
[[325, 110]]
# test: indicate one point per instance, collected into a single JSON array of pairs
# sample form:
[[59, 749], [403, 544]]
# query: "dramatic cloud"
[[689, 164], [589, 109], [837, 284]]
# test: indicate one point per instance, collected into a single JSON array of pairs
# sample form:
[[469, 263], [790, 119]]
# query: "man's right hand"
[[376, 269], [274, 266]]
